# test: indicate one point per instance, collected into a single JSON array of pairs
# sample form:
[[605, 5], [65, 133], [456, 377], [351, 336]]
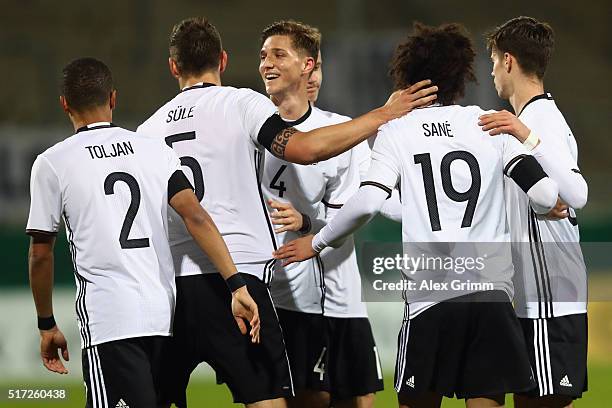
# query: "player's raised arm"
[[555, 160], [205, 233], [322, 143]]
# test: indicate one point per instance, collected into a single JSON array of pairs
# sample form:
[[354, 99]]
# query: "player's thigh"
[[548, 401], [309, 399], [354, 365], [424, 400], [307, 341], [253, 372], [362, 401], [492, 401], [122, 370]]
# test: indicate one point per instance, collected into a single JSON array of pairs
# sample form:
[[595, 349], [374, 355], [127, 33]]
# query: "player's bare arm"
[[40, 259], [324, 143], [205, 233]]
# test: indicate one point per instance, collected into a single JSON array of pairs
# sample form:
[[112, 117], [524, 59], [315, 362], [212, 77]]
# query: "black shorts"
[[557, 349], [469, 347], [307, 341], [205, 331], [352, 361], [127, 370]]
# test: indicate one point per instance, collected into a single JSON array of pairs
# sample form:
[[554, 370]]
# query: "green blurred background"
[[37, 38]]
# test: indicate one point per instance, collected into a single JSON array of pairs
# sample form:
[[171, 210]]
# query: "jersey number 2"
[[470, 195], [109, 188]]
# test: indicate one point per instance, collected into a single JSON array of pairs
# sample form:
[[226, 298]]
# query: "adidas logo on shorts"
[[565, 382], [410, 382], [122, 404]]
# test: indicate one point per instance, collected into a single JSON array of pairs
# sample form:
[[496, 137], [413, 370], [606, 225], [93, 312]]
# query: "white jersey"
[[214, 130], [111, 187], [451, 177], [329, 283], [550, 277]]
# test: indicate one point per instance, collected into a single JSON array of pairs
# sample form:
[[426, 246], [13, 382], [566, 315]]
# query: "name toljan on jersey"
[[179, 113], [114, 150], [437, 129]]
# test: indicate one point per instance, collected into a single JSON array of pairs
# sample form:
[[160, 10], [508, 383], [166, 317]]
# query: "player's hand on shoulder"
[[50, 341], [504, 122], [245, 308], [286, 216], [559, 212], [296, 251], [405, 100]]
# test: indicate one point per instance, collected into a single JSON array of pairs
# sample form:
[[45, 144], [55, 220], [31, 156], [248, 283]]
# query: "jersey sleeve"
[[363, 158], [45, 198], [256, 112], [385, 167], [177, 180]]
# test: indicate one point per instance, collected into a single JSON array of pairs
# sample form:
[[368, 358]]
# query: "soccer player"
[[112, 188], [451, 176], [329, 340], [220, 133], [551, 284]]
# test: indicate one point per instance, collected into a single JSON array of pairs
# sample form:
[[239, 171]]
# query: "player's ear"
[[173, 67], [112, 102], [64, 104], [309, 65], [223, 61], [508, 58]]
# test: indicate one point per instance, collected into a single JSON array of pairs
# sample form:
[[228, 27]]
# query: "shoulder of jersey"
[[331, 116]]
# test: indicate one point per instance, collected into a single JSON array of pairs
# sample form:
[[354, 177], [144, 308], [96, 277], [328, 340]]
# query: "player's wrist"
[[531, 141], [46, 323], [235, 282], [318, 244], [306, 224]]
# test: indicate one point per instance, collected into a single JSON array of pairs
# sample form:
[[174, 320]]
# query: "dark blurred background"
[[37, 38]]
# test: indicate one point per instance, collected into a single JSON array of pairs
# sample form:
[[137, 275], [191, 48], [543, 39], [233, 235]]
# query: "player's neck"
[[524, 91], [207, 77], [291, 106], [102, 114]]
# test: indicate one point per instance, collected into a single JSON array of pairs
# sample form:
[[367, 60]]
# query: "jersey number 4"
[[470, 195], [281, 185], [109, 188]]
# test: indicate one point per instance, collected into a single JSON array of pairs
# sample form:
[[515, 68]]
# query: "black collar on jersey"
[[197, 86], [545, 95], [301, 119], [89, 127]]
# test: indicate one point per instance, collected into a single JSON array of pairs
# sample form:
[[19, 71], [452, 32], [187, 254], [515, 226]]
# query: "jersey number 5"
[[194, 166], [470, 195], [109, 188]]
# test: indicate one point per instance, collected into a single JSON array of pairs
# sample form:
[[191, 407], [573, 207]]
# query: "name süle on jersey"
[[179, 113], [114, 150]]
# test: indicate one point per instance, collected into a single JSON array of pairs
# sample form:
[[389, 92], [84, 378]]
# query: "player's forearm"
[[358, 211], [41, 280], [326, 142], [204, 231], [392, 208], [573, 188]]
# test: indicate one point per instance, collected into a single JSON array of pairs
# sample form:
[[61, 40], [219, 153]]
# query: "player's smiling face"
[[281, 66], [314, 82]]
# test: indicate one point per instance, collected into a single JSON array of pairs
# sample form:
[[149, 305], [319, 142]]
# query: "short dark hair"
[[530, 41], [195, 45], [303, 37], [86, 83], [443, 54]]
